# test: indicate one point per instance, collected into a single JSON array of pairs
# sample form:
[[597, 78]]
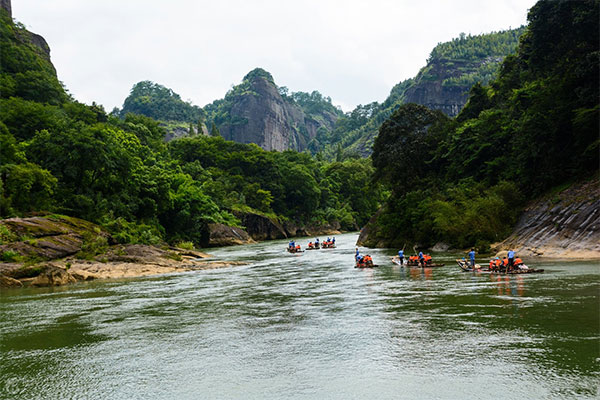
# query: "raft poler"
[[401, 256], [472, 257], [511, 259], [421, 259]]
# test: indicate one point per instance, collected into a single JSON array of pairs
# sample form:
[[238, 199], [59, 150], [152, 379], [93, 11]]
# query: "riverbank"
[[55, 250], [120, 261]]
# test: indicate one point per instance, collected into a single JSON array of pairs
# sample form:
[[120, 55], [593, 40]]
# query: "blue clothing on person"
[[511, 254], [400, 253]]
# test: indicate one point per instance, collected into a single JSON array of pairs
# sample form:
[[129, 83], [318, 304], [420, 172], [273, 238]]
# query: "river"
[[307, 326]]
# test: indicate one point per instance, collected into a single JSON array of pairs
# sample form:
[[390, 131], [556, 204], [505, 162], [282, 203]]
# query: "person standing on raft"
[[472, 257], [401, 256], [511, 259]]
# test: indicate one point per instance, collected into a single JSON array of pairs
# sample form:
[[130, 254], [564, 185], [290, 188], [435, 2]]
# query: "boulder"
[[260, 227], [8, 282], [223, 235], [53, 276]]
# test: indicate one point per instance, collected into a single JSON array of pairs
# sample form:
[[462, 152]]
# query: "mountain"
[[529, 134], [258, 111], [443, 84], [26, 70], [178, 117]]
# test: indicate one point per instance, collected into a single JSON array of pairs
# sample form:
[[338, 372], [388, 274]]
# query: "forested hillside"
[[153, 100], [534, 127], [443, 84], [61, 156]]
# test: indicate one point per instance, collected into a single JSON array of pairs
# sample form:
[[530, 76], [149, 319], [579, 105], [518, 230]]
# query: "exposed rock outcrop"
[[436, 93], [50, 237], [5, 5], [260, 227], [8, 282], [257, 113], [564, 225], [53, 276], [223, 235]]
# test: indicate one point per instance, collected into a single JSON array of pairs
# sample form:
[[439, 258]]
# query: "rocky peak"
[[5, 4], [257, 111]]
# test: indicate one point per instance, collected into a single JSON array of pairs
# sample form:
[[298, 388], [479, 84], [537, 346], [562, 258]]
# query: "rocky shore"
[[55, 250], [565, 224]]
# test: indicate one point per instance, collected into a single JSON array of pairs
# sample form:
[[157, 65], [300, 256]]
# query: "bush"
[[9, 256]]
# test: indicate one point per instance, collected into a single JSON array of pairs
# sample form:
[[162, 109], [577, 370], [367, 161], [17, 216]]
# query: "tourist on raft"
[[511, 259], [472, 257]]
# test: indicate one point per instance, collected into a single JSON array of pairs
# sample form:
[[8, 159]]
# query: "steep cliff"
[[25, 68], [443, 84], [258, 111], [564, 224]]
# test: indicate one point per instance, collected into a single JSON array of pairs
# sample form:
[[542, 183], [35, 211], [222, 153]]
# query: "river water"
[[308, 326]]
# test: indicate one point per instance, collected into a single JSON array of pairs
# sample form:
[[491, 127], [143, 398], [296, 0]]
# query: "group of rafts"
[[496, 265], [293, 247]]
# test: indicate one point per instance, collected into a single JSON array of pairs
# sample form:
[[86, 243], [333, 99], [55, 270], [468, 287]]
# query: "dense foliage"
[[536, 126], [158, 102], [62, 156], [462, 62]]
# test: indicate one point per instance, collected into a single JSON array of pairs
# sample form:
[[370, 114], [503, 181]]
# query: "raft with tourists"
[[495, 268], [425, 261], [364, 262]]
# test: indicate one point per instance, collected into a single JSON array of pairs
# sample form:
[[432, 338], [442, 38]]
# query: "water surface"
[[307, 326]]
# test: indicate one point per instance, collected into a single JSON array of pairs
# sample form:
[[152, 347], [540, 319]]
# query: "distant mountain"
[[178, 117], [443, 84], [258, 111]]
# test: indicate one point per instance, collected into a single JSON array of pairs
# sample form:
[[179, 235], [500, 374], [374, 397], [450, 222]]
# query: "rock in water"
[[53, 276], [8, 282]]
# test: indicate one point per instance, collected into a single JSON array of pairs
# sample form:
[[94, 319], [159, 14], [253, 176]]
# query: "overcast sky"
[[352, 51]]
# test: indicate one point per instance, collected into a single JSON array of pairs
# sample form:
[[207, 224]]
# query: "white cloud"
[[353, 51]]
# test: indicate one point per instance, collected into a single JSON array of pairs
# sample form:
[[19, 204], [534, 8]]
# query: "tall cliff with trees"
[[443, 84], [463, 181]]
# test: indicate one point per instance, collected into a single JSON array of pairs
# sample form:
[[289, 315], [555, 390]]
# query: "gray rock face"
[[432, 93], [223, 235], [263, 117], [566, 225], [5, 4], [50, 237], [262, 228]]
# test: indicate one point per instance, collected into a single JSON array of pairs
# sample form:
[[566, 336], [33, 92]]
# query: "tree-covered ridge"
[[25, 70], [534, 127], [458, 64], [160, 103], [471, 48], [61, 156]]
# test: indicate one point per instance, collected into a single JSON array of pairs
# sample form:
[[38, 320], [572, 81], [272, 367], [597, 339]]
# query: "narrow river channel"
[[308, 326]]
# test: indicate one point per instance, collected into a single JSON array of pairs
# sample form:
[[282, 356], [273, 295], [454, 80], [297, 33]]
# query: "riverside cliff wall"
[[561, 225]]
